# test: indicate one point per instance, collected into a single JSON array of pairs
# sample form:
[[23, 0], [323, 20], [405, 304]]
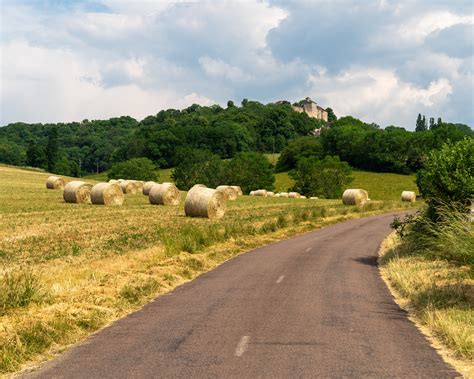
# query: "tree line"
[[90, 146], [78, 148], [369, 147]]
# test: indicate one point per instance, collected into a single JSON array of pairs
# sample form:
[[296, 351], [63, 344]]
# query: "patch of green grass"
[[381, 186], [133, 293], [19, 288]]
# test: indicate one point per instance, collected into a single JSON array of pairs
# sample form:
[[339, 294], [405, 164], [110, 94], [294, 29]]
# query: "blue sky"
[[381, 61]]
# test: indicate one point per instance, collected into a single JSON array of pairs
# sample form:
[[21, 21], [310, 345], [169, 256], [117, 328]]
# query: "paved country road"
[[310, 306]]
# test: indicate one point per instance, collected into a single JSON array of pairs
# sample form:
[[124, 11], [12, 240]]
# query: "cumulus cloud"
[[383, 61], [378, 94]]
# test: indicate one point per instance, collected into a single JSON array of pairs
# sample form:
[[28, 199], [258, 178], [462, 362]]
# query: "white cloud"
[[58, 85], [219, 68], [377, 95], [378, 61], [413, 30]]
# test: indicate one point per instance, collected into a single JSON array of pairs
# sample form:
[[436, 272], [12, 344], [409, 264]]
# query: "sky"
[[381, 61]]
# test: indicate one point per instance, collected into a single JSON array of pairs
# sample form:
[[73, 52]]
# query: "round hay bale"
[[205, 202], [198, 186], [354, 197], [252, 193], [107, 194], [408, 196], [260, 192], [238, 190], [294, 195], [54, 182], [77, 192], [284, 194], [314, 198], [147, 187], [303, 197], [128, 187], [229, 192], [277, 195], [138, 185], [164, 194], [270, 194], [113, 181]]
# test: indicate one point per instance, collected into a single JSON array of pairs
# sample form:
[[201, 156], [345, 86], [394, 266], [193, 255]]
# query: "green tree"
[[432, 123], [420, 127], [52, 149], [326, 178], [230, 104], [331, 116], [298, 148], [197, 167], [250, 171], [447, 176], [11, 153], [135, 168]]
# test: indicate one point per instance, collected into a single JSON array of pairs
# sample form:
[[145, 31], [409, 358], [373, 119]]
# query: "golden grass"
[[439, 297], [78, 267]]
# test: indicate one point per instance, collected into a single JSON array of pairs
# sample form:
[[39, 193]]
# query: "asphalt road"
[[310, 306]]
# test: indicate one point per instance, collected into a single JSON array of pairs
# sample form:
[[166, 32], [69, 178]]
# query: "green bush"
[[197, 166], [447, 176], [136, 168], [298, 148], [250, 171], [326, 178]]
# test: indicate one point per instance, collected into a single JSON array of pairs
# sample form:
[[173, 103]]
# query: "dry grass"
[[439, 296], [73, 268]]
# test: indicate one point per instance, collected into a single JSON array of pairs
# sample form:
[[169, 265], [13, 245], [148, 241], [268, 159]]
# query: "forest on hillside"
[[78, 148]]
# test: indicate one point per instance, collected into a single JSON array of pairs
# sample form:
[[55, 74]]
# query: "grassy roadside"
[[67, 270], [439, 296]]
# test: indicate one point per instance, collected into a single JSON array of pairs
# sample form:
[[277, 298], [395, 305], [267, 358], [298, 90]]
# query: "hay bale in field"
[[260, 192], [229, 192], [270, 194], [113, 181], [198, 186], [77, 192], [54, 182], [147, 187], [252, 193], [164, 194], [107, 194], [408, 196], [205, 202], [294, 195], [284, 194], [354, 197], [238, 190], [303, 197], [128, 187], [137, 184], [314, 198], [277, 195]]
